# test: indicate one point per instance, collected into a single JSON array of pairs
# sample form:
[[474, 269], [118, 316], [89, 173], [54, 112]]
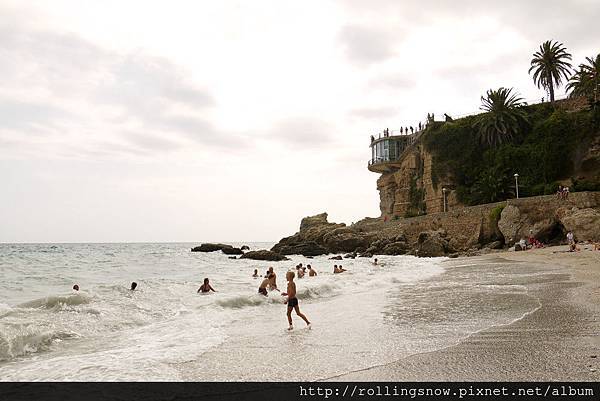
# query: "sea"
[[370, 315]]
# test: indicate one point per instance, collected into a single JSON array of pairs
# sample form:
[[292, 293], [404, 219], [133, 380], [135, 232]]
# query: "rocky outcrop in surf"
[[264, 254], [466, 231], [226, 249]]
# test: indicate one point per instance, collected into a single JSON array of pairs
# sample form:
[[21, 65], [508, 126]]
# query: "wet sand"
[[559, 341]]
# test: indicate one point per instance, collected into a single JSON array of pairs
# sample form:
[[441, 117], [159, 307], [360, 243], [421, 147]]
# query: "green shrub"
[[495, 212]]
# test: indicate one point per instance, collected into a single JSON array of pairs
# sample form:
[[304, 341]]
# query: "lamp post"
[[517, 184], [444, 192]]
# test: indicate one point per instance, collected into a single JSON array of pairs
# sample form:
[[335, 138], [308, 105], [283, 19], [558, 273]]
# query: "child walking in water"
[[292, 301]]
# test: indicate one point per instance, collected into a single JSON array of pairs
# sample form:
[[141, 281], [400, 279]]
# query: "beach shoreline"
[[556, 342]]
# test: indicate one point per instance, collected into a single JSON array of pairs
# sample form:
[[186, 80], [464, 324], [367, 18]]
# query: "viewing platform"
[[388, 148]]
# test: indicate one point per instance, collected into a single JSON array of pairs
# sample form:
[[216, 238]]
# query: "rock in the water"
[[230, 250], [245, 248], [263, 254], [338, 257], [365, 255], [208, 248], [232, 257], [350, 255], [305, 249]]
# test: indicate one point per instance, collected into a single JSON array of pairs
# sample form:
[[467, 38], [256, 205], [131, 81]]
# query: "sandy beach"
[[557, 341]]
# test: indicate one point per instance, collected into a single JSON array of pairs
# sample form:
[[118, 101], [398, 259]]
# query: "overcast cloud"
[[223, 121]]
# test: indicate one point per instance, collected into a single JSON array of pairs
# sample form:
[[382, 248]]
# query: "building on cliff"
[[405, 185]]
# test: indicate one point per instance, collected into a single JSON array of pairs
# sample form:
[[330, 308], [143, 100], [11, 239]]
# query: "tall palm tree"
[[550, 66], [586, 81], [503, 117]]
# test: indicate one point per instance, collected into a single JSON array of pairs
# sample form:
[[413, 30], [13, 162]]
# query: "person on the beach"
[[262, 289], [133, 286], [570, 239], [255, 275], [375, 262], [76, 287], [272, 279], [311, 272], [292, 301], [206, 287]]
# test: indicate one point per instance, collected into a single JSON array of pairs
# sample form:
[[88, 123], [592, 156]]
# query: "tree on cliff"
[[550, 65], [586, 82], [503, 118]]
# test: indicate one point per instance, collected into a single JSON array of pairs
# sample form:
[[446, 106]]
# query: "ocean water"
[[367, 316]]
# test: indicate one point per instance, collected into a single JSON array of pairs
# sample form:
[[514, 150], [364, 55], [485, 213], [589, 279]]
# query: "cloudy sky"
[[231, 120]]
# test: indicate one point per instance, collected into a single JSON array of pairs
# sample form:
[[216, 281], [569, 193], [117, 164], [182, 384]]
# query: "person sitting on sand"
[[255, 275], [133, 286], [272, 279], [262, 289], [292, 301], [206, 287], [311, 272]]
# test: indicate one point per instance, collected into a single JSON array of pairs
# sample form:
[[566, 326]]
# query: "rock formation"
[[263, 254], [226, 249]]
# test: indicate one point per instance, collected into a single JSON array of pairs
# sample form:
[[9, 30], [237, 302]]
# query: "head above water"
[[133, 285], [290, 275], [205, 281], [271, 269], [309, 267], [76, 287]]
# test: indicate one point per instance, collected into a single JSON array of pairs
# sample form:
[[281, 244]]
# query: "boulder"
[[208, 247], [230, 250], [232, 257], [263, 254], [345, 239], [509, 224], [396, 248], [245, 248], [305, 249], [432, 244], [494, 245], [365, 255], [338, 257], [584, 223], [350, 255]]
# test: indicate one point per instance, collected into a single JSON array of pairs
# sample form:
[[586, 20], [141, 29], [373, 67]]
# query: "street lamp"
[[444, 192], [517, 184]]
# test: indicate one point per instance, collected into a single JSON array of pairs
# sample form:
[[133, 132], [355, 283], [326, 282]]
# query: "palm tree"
[[503, 118], [549, 66], [586, 82]]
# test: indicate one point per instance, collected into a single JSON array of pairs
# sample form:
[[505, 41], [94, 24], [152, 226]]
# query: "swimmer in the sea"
[[300, 271], [311, 272], [335, 269], [206, 287], [76, 287], [133, 286], [262, 289], [255, 275], [341, 269], [272, 279], [292, 301], [375, 262]]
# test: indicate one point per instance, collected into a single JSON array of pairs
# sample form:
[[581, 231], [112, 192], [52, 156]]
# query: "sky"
[[144, 121]]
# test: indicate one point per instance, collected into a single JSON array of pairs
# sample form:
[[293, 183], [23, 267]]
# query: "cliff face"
[[410, 190]]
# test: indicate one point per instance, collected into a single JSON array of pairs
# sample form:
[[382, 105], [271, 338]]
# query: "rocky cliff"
[[461, 230]]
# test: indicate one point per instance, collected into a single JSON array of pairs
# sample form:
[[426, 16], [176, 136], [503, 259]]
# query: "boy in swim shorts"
[[292, 301]]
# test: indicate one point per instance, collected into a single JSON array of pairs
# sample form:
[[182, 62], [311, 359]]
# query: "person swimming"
[[206, 287], [300, 271], [375, 262], [255, 275], [272, 279], [311, 272], [133, 286], [262, 289], [76, 287]]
